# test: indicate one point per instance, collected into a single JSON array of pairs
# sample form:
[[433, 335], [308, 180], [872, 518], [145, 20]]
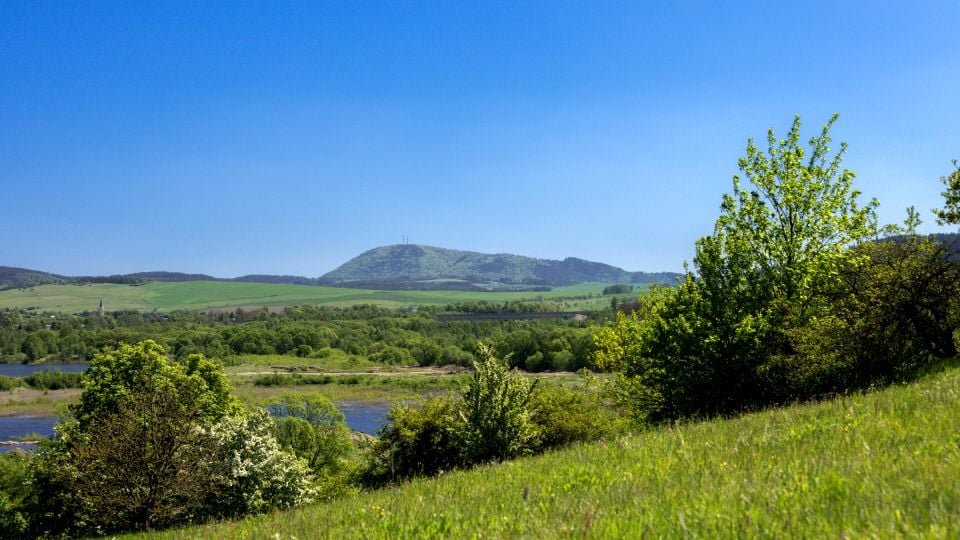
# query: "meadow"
[[881, 464], [204, 295]]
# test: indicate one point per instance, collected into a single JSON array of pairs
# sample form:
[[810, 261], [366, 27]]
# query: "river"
[[363, 416], [22, 370]]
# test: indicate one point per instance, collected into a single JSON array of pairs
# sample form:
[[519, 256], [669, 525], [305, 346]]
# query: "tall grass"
[[882, 464]]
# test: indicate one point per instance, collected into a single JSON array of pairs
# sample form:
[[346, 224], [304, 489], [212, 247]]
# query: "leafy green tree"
[[715, 343], [786, 233], [620, 288], [34, 347], [117, 374], [157, 443], [145, 465], [950, 213]]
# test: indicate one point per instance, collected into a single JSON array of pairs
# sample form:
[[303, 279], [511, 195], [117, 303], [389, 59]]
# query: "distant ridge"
[[411, 266], [17, 278], [13, 278], [397, 267]]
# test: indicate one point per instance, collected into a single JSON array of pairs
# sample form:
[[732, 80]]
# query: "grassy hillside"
[[165, 296], [883, 465]]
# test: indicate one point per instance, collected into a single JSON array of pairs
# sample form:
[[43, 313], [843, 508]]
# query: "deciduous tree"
[[950, 213], [714, 343]]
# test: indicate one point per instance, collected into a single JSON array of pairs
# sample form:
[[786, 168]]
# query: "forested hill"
[[410, 266], [16, 278], [13, 278]]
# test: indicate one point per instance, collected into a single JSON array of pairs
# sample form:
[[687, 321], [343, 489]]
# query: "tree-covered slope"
[[398, 267], [15, 278], [404, 264]]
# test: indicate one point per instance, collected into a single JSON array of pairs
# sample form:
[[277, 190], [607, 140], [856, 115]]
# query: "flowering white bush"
[[257, 474]]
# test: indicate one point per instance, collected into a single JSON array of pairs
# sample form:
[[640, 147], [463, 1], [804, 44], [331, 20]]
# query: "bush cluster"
[[500, 415], [43, 380], [154, 443]]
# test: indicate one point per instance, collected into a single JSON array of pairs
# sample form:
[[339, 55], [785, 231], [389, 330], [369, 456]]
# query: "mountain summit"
[[410, 266]]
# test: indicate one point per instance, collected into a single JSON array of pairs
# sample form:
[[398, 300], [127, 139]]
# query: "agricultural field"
[[205, 295], [882, 464]]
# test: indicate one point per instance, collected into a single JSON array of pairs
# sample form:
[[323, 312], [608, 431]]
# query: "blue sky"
[[286, 137]]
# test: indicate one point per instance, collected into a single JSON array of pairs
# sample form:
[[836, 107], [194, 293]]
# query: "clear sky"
[[233, 138]]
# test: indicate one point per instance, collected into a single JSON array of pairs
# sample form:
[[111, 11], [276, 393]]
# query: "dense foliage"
[[950, 213], [791, 298], [383, 335], [43, 380], [153, 443], [618, 289], [500, 415]]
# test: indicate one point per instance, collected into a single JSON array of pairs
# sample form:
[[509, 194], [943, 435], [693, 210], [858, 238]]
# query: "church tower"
[[100, 309]]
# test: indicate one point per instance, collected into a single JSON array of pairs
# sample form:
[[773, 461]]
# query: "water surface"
[[22, 370], [363, 416], [18, 426]]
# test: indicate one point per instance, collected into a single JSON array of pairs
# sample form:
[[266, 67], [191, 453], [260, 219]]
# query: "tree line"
[[390, 336]]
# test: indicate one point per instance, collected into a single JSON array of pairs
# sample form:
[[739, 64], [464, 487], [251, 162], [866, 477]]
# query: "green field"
[[200, 295], [878, 465]]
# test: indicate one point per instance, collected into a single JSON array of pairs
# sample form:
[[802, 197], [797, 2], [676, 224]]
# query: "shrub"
[[392, 355], [497, 421], [418, 441], [312, 428], [295, 379], [8, 383], [895, 313], [563, 416], [54, 380], [500, 416], [257, 475]]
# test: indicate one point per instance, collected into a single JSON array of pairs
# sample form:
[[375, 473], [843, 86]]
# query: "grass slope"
[[196, 295], [883, 464]]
